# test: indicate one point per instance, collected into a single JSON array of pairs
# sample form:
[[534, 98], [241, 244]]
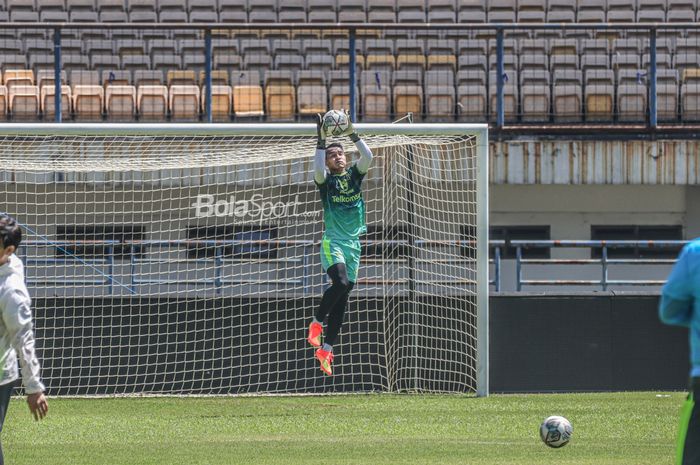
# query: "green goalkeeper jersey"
[[343, 206]]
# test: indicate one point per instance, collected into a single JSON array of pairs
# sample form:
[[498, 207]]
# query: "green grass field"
[[620, 428]]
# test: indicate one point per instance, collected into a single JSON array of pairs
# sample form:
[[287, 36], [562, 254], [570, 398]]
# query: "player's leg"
[[345, 276], [6, 391], [331, 256], [337, 312], [688, 452]]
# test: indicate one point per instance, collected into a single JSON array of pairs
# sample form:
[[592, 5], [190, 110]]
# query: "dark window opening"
[[400, 233], [124, 234], [637, 233]]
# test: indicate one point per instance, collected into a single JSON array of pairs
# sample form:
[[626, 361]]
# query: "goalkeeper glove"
[[321, 140], [350, 131]]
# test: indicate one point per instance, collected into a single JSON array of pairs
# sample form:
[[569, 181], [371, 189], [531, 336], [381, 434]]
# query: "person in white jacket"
[[16, 335]]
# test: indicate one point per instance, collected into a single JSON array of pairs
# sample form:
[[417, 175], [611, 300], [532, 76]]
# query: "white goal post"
[[181, 259]]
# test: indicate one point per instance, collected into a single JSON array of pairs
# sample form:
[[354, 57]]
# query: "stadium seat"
[[48, 102], [441, 55], [510, 95], [280, 95], [663, 61], [631, 95], [181, 78], [262, 11], [472, 47], [595, 46], [442, 11], [620, 11], [161, 47], [20, 77], [591, 11], [120, 102], [410, 55], [567, 96], [24, 101], [184, 102], [80, 5], [152, 102], [227, 62], [531, 11], [408, 93], [410, 11], [115, 77], [98, 47], [46, 77], [12, 46], [534, 95], [136, 62], [32, 47], [221, 102], [322, 11], [533, 54], [88, 101], [166, 62], [3, 102], [148, 78], [233, 11], [219, 77], [594, 61], [471, 93], [292, 11], [667, 95], [502, 11], [319, 63], [560, 62], [292, 63], [627, 61], [247, 95], [681, 11], [376, 95], [599, 90], [561, 11], [651, 11], [12, 61], [690, 94], [440, 96], [339, 88], [471, 11], [312, 94], [103, 62], [341, 52], [379, 55], [352, 11], [564, 47]]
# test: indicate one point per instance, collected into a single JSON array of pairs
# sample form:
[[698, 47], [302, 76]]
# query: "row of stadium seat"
[[300, 11], [245, 47], [531, 96]]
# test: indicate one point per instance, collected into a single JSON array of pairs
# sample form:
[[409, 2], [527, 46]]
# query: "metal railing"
[[215, 257], [132, 279], [604, 261]]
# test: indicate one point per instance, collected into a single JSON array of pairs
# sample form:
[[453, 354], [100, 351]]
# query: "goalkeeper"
[[344, 221], [16, 335], [680, 305]]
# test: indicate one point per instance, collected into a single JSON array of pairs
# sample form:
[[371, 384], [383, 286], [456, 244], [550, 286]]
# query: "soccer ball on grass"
[[556, 431]]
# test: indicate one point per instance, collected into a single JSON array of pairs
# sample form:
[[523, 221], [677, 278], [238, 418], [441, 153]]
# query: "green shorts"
[[341, 251]]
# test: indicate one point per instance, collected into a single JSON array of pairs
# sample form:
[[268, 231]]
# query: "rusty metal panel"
[[596, 162]]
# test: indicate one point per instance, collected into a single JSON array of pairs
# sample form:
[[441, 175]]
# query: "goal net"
[[184, 259]]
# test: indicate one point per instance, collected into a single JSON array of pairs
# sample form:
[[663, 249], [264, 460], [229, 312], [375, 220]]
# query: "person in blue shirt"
[[680, 306]]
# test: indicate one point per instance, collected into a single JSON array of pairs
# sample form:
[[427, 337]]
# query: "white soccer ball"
[[556, 431], [335, 123]]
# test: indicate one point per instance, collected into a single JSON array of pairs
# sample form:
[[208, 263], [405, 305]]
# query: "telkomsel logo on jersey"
[[252, 209]]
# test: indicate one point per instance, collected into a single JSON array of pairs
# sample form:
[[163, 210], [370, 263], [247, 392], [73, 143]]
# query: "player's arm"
[[320, 156], [676, 303], [17, 316], [365, 153]]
